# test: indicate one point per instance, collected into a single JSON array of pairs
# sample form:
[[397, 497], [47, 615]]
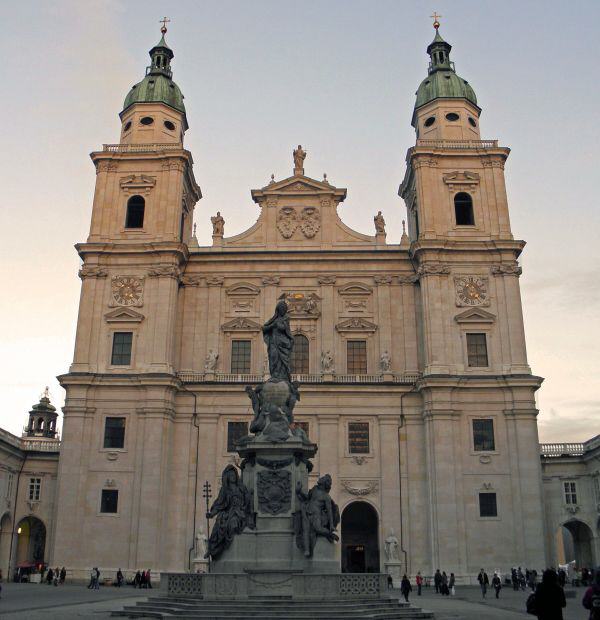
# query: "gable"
[[124, 315], [356, 325], [241, 325], [475, 315]]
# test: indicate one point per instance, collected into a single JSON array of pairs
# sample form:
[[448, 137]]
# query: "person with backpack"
[[591, 598], [549, 600]]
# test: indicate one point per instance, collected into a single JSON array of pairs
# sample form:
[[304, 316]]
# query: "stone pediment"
[[243, 289], [124, 315], [355, 288], [464, 179], [241, 325], [137, 184], [356, 325], [302, 184], [475, 316]]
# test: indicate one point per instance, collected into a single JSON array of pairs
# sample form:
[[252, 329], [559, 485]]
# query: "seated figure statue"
[[318, 515]]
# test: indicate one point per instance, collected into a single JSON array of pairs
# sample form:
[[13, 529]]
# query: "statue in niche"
[[233, 512], [392, 547], [218, 224], [379, 223], [327, 362], [210, 361], [385, 361], [279, 341], [299, 157], [201, 542], [318, 515]]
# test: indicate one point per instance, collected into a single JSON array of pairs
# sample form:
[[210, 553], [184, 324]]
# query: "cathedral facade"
[[411, 357]]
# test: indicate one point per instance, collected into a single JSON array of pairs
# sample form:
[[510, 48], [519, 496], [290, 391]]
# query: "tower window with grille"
[[570, 493], [356, 351], [109, 501], [114, 432], [463, 209], [136, 206], [488, 505], [241, 356], [235, 431], [483, 435], [477, 350], [121, 349], [358, 437], [300, 355]]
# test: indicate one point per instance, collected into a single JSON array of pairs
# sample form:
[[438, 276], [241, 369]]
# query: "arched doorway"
[[360, 539], [31, 541], [5, 534], [575, 542]]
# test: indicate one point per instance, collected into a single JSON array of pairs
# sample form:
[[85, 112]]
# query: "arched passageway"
[[5, 534], [31, 541], [575, 543], [360, 539]]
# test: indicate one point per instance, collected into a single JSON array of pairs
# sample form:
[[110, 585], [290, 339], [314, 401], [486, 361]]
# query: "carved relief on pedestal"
[[127, 291], [471, 291], [274, 489]]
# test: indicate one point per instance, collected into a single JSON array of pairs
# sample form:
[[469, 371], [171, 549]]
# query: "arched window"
[[300, 355], [135, 212], [463, 209]]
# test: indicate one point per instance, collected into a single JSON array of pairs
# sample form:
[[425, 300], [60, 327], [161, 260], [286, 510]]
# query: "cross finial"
[[164, 21], [436, 22]]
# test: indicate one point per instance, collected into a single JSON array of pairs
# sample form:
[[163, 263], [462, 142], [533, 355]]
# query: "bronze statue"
[[233, 510], [318, 515], [279, 341]]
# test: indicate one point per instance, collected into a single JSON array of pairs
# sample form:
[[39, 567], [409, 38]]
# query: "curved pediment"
[[243, 289], [355, 288]]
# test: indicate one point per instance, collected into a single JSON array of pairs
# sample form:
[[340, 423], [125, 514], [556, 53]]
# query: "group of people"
[[443, 584], [142, 579], [54, 576]]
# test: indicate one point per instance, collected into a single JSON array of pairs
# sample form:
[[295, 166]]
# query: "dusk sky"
[[337, 76]]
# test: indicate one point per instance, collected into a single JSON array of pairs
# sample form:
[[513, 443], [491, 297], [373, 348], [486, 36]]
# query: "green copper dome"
[[442, 81], [158, 85]]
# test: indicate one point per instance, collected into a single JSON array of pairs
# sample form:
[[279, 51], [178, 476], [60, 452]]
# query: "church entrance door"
[[360, 539], [31, 541]]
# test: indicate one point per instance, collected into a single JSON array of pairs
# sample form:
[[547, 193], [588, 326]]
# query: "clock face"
[[127, 290], [471, 291]]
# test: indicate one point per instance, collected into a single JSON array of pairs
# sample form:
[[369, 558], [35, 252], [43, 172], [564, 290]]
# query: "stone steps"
[[278, 609]]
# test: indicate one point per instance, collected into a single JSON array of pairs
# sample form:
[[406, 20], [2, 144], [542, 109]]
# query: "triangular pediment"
[[475, 315], [298, 185], [356, 325], [243, 289], [241, 325], [355, 288], [123, 315]]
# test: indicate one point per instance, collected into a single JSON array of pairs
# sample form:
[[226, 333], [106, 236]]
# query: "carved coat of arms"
[[274, 490], [287, 221], [310, 221]]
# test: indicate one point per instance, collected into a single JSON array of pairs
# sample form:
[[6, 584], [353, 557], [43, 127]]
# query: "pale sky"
[[337, 76]]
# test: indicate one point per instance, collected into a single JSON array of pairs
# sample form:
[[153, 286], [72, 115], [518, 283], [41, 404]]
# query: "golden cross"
[[164, 21], [436, 17]]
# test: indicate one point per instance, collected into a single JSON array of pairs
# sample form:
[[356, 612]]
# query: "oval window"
[[452, 116], [127, 126], [169, 125], [429, 121], [146, 120], [472, 122]]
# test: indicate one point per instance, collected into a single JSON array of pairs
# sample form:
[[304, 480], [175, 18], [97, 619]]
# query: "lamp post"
[[207, 494]]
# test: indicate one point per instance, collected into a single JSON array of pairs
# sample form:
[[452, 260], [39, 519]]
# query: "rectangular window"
[[114, 433], [121, 349], [483, 435], [358, 437], [487, 505], [477, 350], [235, 431], [240, 356], [9, 485], [109, 501], [356, 357], [35, 487], [570, 493]]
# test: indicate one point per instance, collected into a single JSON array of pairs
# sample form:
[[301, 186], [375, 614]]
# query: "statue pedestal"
[[394, 568], [200, 565], [271, 471]]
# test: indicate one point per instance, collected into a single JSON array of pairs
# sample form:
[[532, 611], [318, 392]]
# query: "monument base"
[[394, 568]]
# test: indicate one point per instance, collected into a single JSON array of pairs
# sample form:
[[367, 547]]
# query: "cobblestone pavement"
[[468, 604], [70, 602]]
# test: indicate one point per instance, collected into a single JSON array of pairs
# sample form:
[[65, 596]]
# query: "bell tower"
[[471, 338]]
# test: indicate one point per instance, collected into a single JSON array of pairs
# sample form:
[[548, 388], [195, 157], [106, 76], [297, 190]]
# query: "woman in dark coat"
[[405, 587], [549, 598]]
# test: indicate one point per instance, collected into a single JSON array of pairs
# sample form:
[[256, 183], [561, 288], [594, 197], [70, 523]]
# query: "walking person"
[[119, 578], [405, 587], [137, 580], [497, 584], [484, 582], [49, 576], [96, 578], [549, 598], [148, 579], [63, 575], [437, 580], [143, 583], [419, 581], [444, 587], [92, 576], [591, 598], [451, 583]]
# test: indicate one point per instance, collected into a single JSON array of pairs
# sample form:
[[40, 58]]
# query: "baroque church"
[[411, 357]]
